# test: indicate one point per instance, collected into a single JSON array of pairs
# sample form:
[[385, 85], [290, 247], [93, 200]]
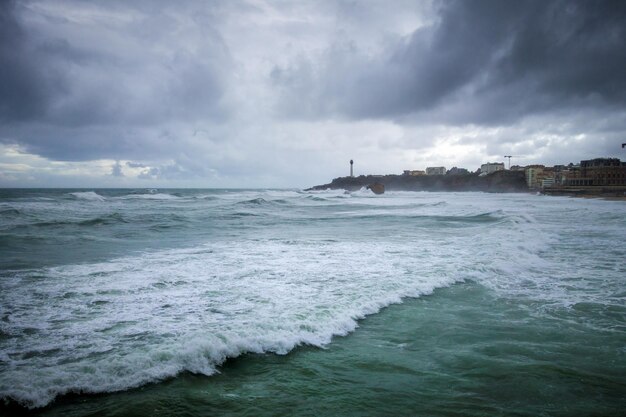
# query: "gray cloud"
[[480, 62], [27, 83], [100, 87]]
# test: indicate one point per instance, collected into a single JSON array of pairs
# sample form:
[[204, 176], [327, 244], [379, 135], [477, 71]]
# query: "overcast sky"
[[259, 93]]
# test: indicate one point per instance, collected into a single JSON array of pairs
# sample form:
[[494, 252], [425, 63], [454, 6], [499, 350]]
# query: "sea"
[[226, 302]]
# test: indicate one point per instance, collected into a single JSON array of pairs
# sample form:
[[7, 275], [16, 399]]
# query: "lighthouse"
[[351, 171]]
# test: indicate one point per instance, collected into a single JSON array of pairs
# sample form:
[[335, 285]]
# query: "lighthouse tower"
[[351, 171]]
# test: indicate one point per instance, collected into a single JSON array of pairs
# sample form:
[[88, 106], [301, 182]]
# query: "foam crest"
[[87, 195], [149, 196], [120, 324]]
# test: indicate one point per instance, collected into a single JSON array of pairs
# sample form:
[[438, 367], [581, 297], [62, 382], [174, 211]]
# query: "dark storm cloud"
[[480, 62], [88, 142], [27, 84], [91, 86]]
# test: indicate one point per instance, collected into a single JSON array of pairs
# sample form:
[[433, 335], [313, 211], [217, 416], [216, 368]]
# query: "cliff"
[[497, 182]]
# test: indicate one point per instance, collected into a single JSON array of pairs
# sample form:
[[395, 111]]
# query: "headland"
[[496, 182], [600, 177]]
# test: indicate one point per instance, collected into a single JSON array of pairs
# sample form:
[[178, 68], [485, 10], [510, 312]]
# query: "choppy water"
[[228, 302]]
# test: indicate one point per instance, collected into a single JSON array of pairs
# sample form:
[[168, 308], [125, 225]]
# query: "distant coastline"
[[496, 182], [599, 177]]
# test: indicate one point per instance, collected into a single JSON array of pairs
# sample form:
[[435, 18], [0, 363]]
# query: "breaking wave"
[[87, 195], [275, 296]]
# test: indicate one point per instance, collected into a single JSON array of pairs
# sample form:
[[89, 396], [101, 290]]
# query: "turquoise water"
[[270, 302]]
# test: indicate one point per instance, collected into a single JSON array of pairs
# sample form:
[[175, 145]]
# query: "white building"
[[531, 176], [436, 171], [490, 167]]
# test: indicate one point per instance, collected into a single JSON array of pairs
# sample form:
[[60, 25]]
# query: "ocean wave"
[[87, 195], [112, 218], [107, 219], [316, 198], [9, 211], [206, 197], [149, 196], [259, 201], [329, 192], [459, 220], [487, 217], [254, 201], [243, 214], [104, 370], [226, 300]]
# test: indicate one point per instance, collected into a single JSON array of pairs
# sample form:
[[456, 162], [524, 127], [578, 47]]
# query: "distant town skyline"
[[152, 93]]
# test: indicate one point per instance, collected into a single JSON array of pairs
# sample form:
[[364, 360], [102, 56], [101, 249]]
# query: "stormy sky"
[[258, 93]]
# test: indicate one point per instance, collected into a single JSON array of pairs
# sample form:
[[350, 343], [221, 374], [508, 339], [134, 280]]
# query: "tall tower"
[[351, 171]]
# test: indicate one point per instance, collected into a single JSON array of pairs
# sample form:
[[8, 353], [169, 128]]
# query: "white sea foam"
[[148, 196], [114, 325], [87, 195]]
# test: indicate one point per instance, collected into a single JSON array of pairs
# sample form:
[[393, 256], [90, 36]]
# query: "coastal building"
[[563, 172], [413, 173], [604, 171], [457, 171], [491, 167], [436, 171], [573, 178], [539, 176], [531, 175], [596, 172]]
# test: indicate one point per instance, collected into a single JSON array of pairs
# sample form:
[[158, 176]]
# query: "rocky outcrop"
[[377, 188], [497, 182]]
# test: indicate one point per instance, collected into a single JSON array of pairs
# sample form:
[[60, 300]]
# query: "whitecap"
[[149, 196], [272, 297], [87, 195]]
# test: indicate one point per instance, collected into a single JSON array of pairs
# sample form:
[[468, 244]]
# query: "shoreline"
[[617, 193], [498, 182]]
